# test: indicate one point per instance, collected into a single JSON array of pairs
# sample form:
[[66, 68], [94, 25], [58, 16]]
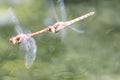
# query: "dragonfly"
[[55, 28], [29, 43], [52, 10], [64, 17]]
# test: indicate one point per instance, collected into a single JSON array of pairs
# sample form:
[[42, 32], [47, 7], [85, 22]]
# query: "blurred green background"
[[94, 55]]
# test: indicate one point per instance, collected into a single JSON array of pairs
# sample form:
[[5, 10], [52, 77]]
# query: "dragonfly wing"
[[15, 21], [63, 17], [62, 10], [51, 13], [76, 30], [29, 47], [63, 34]]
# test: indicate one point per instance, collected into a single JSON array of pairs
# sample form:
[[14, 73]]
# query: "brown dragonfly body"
[[55, 28]]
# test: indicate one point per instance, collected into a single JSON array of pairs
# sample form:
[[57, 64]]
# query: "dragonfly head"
[[15, 40]]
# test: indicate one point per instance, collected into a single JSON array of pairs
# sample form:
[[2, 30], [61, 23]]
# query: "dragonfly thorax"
[[57, 27]]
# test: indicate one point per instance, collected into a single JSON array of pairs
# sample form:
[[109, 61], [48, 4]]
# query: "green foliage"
[[93, 55]]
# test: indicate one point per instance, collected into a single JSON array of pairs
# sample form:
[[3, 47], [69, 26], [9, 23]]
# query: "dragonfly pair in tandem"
[[28, 43]]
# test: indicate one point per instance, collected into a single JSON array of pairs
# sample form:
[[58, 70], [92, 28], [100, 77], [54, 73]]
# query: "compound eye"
[[18, 38], [12, 40]]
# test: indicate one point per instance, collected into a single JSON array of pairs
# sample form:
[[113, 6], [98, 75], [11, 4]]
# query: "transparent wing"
[[15, 21], [29, 47], [62, 9], [51, 13], [63, 17], [54, 11], [76, 30]]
